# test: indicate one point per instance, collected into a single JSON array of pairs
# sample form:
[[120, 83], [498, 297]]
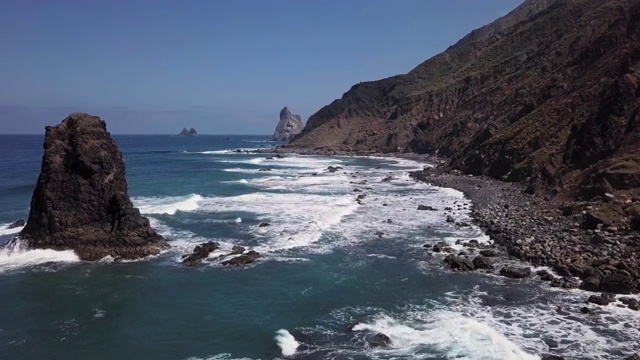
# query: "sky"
[[221, 66]]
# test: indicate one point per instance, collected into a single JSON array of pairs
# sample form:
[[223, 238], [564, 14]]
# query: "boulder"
[[603, 299], [591, 283], [594, 218], [200, 252], [459, 263], [489, 253], [379, 340], [515, 272], [80, 201], [551, 357], [632, 303], [619, 283], [482, 262], [426, 207], [288, 127], [264, 224], [244, 259], [450, 219], [16, 224], [237, 250]]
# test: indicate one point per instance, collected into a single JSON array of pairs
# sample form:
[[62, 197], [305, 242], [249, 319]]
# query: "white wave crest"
[[167, 205], [16, 255], [287, 342], [456, 335]]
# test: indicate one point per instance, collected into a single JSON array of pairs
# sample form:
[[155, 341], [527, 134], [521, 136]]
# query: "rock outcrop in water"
[[546, 95], [289, 126], [81, 201], [188, 132]]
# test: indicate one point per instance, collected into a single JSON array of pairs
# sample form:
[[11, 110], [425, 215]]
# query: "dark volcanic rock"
[[515, 272], [632, 303], [551, 357], [592, 283], [16, 224], [459, 263], [244, 259], [488, 253], [201, 252], [379, 340], [603, 299], [482, 262], [426, 207], [188, 132], [618, 283], [80, 201]]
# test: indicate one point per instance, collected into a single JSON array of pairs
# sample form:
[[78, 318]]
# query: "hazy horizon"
[[221, 67]]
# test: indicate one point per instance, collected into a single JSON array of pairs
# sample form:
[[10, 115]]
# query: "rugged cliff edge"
[[80, 201], [546, 95], [289, 126]]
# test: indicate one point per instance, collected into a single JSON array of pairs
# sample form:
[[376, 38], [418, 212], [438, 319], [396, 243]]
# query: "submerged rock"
[[244, 259], [379, 340], [426, 207], [551, 357], [289, 126], [16, 224], [80, 201], [201, 252]]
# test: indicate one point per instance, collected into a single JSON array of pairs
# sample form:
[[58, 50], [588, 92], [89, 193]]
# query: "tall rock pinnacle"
[[80, 201], [289, 126]]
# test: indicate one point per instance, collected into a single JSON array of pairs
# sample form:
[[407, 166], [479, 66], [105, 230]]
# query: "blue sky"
[[223, 67]]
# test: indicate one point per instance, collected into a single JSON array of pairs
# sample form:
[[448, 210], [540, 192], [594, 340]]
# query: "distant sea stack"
[[188, 132], [289, 126], [81, 201]]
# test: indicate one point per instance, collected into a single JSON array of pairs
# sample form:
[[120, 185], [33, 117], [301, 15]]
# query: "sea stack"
[[188, 132], [80, 201], [289, 126]]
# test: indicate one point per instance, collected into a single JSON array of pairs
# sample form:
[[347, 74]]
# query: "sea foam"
[[15, 255], [287, 342], [447, 332], [167, 205]]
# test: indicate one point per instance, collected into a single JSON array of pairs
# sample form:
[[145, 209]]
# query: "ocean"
[[334, 273]]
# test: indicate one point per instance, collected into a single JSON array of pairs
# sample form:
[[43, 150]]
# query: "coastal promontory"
[[80, 201], [289, 126]]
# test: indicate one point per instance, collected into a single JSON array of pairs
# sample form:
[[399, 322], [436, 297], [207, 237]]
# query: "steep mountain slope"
[[547, 95]]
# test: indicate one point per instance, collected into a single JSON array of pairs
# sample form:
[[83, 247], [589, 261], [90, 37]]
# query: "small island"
[[188, 132]]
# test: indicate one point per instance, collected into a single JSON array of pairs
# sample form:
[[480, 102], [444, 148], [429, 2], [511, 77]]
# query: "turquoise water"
[[324, 270]]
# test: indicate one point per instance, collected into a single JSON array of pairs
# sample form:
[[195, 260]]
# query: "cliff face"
[[547, 95], [289, 126], [80, 201]]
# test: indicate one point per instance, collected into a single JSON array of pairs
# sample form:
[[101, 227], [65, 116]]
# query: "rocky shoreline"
[[584, 250], [534, 229], [576, 240]]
